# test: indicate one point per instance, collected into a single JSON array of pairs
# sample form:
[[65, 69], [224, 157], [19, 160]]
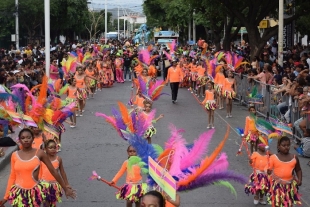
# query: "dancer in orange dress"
[[230, 88], [72, 98], [286, 175], [90, 82], [24, 188], [193, 72], [39, 139], [210, 103], [54, 190], [201, 80], [119, 68], [134, 188], [219, 81]]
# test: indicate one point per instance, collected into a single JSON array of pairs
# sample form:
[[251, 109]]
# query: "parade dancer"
[[54, 190], [210, 103], [259, 184], [134, 188], [230, 88], [24, 188], [174, 77], [283, 166], [119, 68]]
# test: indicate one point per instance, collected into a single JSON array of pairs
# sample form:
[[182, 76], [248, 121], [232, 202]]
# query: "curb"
[[7, 157]]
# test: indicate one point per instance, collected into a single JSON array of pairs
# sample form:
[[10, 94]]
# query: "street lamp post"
[[118, 22], [105, 21], [47, 36], [16, 26], [280, 33]]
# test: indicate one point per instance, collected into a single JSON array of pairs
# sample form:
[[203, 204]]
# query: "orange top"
[[80, 83], [201, 71], [282, 170], [249, 125], [22, 172], [259, 162], [174, 74], [209, 96], [193, 68], [228, 85], [139, 101], [98, 65], [72, 93], [219, 79], [37, 143], [45, 173], [90, 73], [133, 176]]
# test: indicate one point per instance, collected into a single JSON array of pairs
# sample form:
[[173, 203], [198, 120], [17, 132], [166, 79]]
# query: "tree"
[[251, 12], [94, 19], [121, 24], [7, 22]]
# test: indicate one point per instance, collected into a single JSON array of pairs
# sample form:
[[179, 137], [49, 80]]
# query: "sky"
[[134, 5]]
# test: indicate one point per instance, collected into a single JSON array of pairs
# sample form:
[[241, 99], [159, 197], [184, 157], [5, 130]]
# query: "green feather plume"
[[158, 149], [253, 92], [227, 185], [63, 89], [135, 160]]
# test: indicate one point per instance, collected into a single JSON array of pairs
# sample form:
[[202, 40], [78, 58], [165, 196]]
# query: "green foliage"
[[303, 25]]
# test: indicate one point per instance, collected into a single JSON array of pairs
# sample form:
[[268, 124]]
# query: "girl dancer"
[[210, 104], [147, 110], [91, 83], [54, 189], [134, 189], [39, 138], [219, 82], [72, 97], [201, 79], [153, 198], [259, 182], [119, 68], [283, 167], [80, 78], [230, 88], [23, 187], [251, 134]]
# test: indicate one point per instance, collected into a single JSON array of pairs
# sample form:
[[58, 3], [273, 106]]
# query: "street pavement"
[[95, 145]]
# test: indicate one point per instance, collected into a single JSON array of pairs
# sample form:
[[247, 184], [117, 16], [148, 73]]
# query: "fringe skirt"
[[284, 194], [132, 192], [210, 105], [150, 132], [81, 94], [218, 88], [258, 183], [33, 197], [53, 194], [229, 94]]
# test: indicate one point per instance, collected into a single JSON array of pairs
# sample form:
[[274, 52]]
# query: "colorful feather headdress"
[[191, 170]]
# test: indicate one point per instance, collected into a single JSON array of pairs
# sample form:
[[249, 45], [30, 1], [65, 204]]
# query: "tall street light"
[[280, 33], [16, 26], [105, 21], [47, 36]]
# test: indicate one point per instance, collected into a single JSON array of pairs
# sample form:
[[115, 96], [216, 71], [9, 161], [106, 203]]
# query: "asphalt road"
[[94, 145]]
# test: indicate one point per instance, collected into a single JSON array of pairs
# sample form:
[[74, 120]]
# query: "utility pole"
[[189, 30], [280, 33], [105, 21], [47, 37], [16, 26], [118, 22], [194, 29]]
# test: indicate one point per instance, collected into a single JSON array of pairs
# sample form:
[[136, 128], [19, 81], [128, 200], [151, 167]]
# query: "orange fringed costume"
[[250, 131], [228, 89], [284, 189], [134, 189], [219, 81], [22, 188], [209, 101], [54, 190]]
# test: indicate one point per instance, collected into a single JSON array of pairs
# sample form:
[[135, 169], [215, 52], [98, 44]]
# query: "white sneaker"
[[256, 202], [262, 202], [230, 115], [227, 116]]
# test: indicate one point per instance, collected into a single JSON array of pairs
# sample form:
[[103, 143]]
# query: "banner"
[[163, 179]]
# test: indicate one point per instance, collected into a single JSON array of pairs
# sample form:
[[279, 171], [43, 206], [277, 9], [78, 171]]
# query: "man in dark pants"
[[174, 76], [166, 65]]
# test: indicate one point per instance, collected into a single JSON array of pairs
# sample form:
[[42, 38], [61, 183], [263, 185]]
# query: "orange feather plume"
[[206, 162], [209, 69], [125, 115], [149, 48], [218, 68], [164, 160], [43, 91]]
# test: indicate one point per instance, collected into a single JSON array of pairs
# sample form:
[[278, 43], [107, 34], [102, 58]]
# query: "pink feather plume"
[[198, 150], [219, 165], [179, 149], [167, 55], [174, 137]]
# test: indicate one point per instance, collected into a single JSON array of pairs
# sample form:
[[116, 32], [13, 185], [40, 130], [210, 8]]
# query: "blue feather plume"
[[240, 131], [7, 96]]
